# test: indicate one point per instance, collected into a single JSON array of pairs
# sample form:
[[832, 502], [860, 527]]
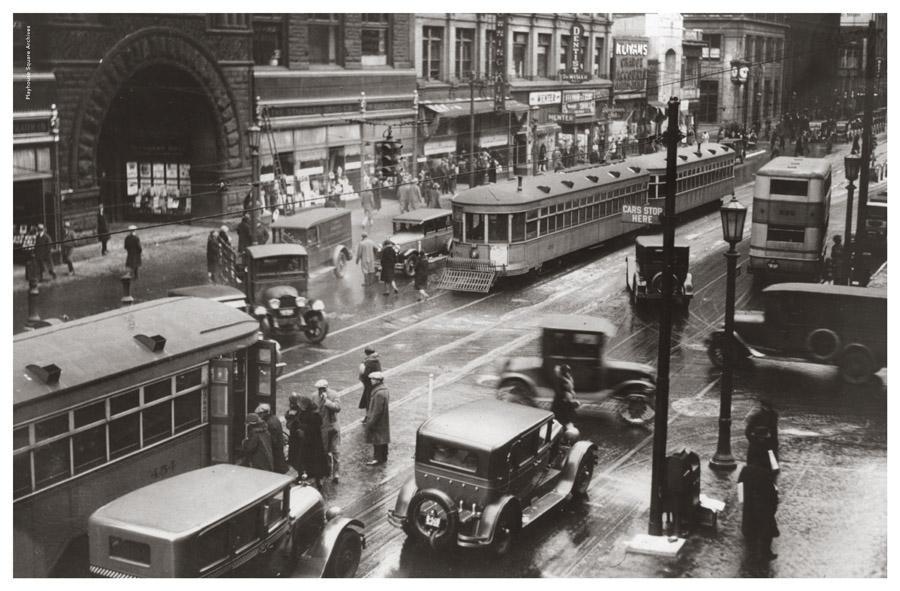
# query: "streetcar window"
[[20, 437], [544, 226], [124, 435], [567, 219], [518, 227], [545, 210], [474, 227], [188, 411], [129, 550], [785, 233], [531, 229], [157, 423], [581, 216], [498, 227], [89, 448], [124, 402], [189, 379], [21, 474], [552, 226], [531, 214], [157, 390], [457, 223], [560, 221], [51, 463], [51, 427], [90, 414]]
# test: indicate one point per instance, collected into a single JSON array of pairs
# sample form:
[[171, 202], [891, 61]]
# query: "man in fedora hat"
[[328, 407], [134, 250], [377, 422], [42, 246], [370, 364]]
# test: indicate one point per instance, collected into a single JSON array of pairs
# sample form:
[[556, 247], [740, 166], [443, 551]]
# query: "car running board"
[[541, 506]]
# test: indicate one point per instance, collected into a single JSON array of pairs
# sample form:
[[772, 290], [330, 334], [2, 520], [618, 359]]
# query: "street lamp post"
[[851, 171], [253, 137], [733, 215], [57, 195]]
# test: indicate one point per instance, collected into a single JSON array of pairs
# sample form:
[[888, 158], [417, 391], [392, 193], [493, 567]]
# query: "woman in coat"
[[257, 445], [311, 457], [388, 260], [378, 422]]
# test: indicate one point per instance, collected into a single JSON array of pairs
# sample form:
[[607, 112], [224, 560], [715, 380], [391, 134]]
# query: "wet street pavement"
[[833, 478]]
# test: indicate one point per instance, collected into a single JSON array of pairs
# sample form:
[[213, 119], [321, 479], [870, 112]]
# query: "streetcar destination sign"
[[642, 214]]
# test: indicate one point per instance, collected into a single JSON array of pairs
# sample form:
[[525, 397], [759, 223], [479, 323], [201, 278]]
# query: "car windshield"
[[274, 266], [462, 459], [407, 227]]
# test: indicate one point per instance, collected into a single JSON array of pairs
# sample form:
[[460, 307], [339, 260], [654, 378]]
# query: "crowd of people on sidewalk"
[[307, 438]]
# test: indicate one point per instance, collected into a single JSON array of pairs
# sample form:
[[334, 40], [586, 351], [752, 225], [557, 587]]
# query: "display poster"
[[131, 170], [630, 65]]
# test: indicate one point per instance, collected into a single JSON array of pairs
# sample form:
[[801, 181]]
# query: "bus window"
[[788, 187], [498, 227], [518, 227], [51, 463], [188, 411], [785, 233], [474, 227], [21, 475], [122, 402]]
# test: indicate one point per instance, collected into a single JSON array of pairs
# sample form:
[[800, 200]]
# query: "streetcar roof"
[[485, 424], [104, 346], [262, 251], [422, 214], [578, 323], [656, 241], [826, 289], [687, 155], [306, 218], [183, 504], [796, 167]]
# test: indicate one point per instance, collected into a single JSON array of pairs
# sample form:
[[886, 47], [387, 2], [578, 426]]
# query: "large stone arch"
[[146, 47]]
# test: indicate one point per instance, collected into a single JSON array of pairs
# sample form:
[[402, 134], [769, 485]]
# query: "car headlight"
[[274, 303], [474, 252], [300, 301], [259, 311], [318, 305]]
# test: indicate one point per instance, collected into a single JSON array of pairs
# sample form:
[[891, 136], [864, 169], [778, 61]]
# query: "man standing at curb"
[[377, 422], [134, 250], [328, 407], [369, 365], [102, 231], [68, 246], [42, 252]]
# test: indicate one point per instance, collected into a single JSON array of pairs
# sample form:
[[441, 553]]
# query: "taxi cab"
[[421, 232], [222, 520]]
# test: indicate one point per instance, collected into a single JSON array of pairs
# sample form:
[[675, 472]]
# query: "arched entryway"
[[157, 156], [157, 128]]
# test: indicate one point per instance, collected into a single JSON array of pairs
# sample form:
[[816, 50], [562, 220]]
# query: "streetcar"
[[109, 403], [505, 229], [791, 205]]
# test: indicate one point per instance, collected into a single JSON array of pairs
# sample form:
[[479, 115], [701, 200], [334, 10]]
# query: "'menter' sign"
[[642, 214]]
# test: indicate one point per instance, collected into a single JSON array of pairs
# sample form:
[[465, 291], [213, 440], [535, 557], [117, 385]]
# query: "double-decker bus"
[[505, 229], [791, 205], [106, 404]]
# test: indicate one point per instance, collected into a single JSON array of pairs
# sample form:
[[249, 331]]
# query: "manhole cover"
[[693, 407]]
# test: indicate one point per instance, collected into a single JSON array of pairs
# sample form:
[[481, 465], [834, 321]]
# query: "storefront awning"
[[465, 108]]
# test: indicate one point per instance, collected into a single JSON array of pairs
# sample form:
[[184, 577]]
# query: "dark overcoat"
[[378, 420], [388, 259], [760, 503], [134, 250]]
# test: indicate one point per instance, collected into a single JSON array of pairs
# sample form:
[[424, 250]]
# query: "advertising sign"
[[642, 214], [630, 65], [575, 71], [500, 63], [578, 103], [550, 97]]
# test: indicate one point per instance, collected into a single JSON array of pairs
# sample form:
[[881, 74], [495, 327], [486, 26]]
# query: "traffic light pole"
[[660, 425], [863, 194]]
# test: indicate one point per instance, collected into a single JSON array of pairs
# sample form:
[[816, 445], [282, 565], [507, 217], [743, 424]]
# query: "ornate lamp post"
[[253, 137], [733, 215], [851, 171]]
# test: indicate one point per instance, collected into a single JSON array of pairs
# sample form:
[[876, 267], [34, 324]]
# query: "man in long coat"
[[760, 503], [370, 365], [377, 422], [134, 250], [762, 430], [365, 258], [102, 231], [42, 246], [276, 434]]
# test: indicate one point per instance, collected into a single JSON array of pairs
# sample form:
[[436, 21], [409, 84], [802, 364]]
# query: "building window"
[[713, 50], [670, 64], [268, 41], [432, 44], [543, 54], [520, 51], [709, 101], [375, 39], [489, 37], [325, 38], [690, 73], [465, 45], [599, 57]]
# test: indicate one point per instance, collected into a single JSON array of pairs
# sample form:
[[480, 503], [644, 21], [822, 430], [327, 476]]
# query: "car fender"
[[314, 561], [570, 470], [644, 384], [407, 492], [514, 375], [490, 516]]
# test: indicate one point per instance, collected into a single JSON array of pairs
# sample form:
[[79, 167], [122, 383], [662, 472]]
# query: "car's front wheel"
[[433, 520], [638, 405], [409, 265], [584, 474], [345, 556]]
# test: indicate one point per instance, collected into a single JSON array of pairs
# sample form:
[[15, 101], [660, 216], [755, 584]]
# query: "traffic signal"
[[389, 157]]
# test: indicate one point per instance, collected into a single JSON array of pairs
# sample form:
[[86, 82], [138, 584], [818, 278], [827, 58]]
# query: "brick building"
[[153, 108]]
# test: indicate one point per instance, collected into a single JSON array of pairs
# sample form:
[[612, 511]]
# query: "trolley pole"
[[660, 425], [863, 195]]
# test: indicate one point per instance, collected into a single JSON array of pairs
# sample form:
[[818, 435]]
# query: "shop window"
[[432, 49], [465, 51], [498, 228], [543, 54], [325, 39], [518, 227], [268, 40], [375, 39], [520, 51]]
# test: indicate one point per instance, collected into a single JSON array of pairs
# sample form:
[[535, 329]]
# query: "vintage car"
[[325, 233], [226, 294], [831, 324], [601, 385], [421, 232], [223, 520], [645, 282], [487, 469], [275, 278]]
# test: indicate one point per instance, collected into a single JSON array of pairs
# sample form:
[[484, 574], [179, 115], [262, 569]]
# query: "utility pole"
[[660, 425], [415, 162], [866, 152], [471, 129], [362, 139]]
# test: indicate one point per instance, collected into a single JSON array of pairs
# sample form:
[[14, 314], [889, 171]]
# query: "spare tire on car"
[[433, 519]]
